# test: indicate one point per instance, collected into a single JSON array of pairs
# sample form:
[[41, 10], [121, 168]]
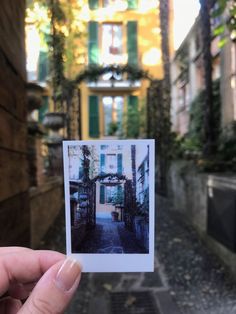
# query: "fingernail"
[[67, 275]]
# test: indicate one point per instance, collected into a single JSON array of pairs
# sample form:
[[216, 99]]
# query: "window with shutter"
[[102, 163], [102, 194], [111, 43], [93, 4], [93, 42], [43, 109], [119, 163], [132, 44], [81, 172], [93, 116], [132, 4], [132, 117], [42, 66]]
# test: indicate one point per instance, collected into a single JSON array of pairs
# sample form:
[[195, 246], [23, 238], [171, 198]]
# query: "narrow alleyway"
[[110, 237], [187, 279]]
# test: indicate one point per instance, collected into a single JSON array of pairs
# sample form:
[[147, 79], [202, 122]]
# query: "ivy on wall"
[[192, 144], [195, 136]]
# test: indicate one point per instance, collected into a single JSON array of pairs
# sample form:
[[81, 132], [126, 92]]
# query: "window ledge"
[[116, 85]]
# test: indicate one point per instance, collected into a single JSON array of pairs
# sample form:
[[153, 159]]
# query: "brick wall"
[[14, 200]]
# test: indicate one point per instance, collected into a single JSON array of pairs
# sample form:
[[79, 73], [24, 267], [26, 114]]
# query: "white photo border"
[[126, 262]]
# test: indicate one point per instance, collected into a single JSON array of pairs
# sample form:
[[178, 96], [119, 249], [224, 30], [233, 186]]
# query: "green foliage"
[[227, 145], [196, 131], [118, 197], [228, 23], [93, 72], [133, 123], [58, 28], [113, 128], [192, 142]]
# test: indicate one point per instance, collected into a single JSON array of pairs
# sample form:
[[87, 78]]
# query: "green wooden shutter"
[[93, 42], [93, 4], [93, 116], [132, 43], [119, 163], [42, 66], [132, 4], [43, 109], [132, 117], [120, 194], [81, 172], [102, 194], [132, 102], [102, 162]]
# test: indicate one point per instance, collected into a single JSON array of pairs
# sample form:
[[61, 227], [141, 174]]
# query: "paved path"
[[188, 279], [199, 282], [111, 293], [110, 237]]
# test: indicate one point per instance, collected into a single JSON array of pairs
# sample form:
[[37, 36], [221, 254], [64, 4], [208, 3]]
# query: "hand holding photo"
[[109, 196]]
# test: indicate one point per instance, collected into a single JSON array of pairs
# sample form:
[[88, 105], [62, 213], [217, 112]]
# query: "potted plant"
[[112, 128]]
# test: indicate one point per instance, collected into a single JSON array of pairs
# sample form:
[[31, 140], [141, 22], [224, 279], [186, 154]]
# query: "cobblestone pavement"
[[110, 237], [188, 279]]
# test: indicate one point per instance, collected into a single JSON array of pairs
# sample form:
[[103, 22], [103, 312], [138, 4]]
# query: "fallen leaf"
[[107, 286], [130, 301], [187, 277]]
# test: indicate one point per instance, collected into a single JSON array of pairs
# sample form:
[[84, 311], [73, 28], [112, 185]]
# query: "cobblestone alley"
[[110, 237], [188, 279]]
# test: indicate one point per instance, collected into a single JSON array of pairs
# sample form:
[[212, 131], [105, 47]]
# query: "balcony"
[[114, 85], [113, 81]]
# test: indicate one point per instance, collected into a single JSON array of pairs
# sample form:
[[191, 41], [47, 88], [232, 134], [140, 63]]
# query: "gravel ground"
[[199, 283]]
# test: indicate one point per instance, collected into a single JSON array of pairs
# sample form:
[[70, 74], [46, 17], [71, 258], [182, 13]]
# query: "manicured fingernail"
[[67, 275]]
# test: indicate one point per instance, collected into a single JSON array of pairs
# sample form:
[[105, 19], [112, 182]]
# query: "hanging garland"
[[110, 177], [93, 72]]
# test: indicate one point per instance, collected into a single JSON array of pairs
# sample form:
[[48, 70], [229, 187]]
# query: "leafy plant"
[[195, 137], [227, 23], [227, 145], [118, 198], [112, 128]]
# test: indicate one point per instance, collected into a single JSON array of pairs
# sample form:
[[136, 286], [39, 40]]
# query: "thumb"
[[54, 290]]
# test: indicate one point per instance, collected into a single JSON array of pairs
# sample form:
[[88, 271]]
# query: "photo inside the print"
[[109, 197]]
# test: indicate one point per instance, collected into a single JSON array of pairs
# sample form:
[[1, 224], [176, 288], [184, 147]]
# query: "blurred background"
[[117, 69]]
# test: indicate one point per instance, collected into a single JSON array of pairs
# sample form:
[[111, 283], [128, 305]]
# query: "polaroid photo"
[[109, 203]]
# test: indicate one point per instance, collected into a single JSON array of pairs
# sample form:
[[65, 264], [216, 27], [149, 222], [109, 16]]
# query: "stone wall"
[[188, 193], [45, 202], [14, 201]]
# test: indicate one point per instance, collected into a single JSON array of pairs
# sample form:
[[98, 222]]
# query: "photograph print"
[[108, 196]]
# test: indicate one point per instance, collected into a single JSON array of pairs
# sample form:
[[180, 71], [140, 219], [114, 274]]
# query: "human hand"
[[45, 278]]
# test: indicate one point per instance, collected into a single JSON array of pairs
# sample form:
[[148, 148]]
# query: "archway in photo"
[[116, 197]]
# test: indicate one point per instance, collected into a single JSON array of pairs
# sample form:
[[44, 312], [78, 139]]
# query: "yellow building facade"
[[119, 32]]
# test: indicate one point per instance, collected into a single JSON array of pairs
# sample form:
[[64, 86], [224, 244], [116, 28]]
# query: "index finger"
[[13, 249], [25, 266]]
